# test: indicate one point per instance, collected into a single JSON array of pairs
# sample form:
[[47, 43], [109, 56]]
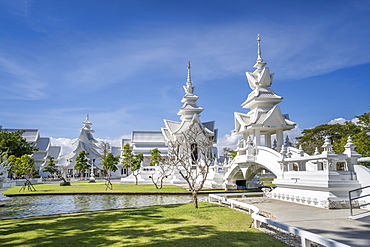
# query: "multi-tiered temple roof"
[[264, 117], [190, 115], [85, 142]]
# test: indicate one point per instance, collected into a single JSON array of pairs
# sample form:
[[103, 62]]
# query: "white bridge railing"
[[307, 238]]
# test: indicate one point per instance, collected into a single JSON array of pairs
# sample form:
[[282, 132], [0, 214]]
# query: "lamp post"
[[92, 178]]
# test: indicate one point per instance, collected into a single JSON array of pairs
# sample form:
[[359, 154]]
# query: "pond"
[[25, 206]]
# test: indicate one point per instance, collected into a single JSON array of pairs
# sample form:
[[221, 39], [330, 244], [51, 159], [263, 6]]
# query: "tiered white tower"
[[264, 117], [190, 115], [190, 118], [85, 142]]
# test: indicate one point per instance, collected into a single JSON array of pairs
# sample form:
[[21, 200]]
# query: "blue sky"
[[124, 62]]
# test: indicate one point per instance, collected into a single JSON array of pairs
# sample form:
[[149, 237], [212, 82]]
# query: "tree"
[[163, 167], [131, 160], [232, 154], [104, 149], [339, 133], [155, 157], [82, 162], [228, 152], [315, 137], [109, 164], [23, 166], [192, 155], [364, 121], [52, 168], [13, 143]]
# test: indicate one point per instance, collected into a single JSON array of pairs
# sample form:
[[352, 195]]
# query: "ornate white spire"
[[189, 89], [87, 120], [261, 77], [259, 59], [190, 106], [87, 125], [259, 62]]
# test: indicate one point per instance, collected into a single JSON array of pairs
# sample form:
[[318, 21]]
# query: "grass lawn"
[[81, 187], [172, 225], [268, 182]]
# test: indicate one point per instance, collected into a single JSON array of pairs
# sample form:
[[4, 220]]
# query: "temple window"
[[320, 166], [341, 166], [295, 167]]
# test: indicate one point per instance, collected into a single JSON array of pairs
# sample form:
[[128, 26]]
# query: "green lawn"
[[172, 225], [94, 187], [268, 182]]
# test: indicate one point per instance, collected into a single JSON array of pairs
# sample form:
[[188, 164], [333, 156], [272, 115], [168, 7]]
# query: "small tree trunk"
[[161, 183], [136, 182], [62, 178], [29, 186], [108, 183], [195, 199]]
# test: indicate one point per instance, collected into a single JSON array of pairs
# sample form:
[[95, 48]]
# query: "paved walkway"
[[334, 224]]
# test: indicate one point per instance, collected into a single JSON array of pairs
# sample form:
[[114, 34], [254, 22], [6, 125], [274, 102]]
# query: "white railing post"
[[305, 242], [256, 224]]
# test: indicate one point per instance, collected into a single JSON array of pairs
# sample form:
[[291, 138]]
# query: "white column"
[[256, 137], [268, 140], [279, 138]]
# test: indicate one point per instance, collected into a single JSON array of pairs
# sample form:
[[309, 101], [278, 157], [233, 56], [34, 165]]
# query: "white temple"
[[321, 180], [145, 141], [264, 118], [44, 146], [85, 142], [190, 116]]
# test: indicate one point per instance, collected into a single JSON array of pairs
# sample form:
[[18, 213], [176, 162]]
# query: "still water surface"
[[25, 206]]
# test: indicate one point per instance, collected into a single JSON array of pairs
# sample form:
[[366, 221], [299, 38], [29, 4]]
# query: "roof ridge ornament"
[[259, 59], [189, 89]]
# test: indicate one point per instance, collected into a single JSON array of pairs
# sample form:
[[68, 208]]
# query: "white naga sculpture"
[[3, 170]]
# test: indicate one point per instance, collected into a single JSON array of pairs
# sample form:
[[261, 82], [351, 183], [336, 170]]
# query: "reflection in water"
[[24, 206]]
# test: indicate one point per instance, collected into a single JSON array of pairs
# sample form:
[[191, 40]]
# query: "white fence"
[[307, 238]]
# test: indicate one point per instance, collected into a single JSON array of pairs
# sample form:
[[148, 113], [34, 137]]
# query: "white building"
[[85, 142], [145, 141], [321, 180], [44, 146], [265, 117]]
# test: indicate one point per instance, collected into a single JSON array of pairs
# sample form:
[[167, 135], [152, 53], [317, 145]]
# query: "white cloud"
[[227, 141], [64, 143], [293, 133], [20, 81], [219, 51], [342, 121], [337, 121], [114, 142]]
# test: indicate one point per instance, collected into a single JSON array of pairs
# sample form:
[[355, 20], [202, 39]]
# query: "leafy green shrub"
[[65, 184]]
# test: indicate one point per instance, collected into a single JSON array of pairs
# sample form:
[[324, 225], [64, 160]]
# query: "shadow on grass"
[[173, 225]]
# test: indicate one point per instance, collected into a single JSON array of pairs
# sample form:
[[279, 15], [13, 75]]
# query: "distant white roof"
[[147, 136], [54, 151], [30, 135], [39, 156], [43, 143]]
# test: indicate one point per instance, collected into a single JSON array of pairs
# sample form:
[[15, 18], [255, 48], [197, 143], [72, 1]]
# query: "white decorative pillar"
[[257, 137], [268, 140]]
